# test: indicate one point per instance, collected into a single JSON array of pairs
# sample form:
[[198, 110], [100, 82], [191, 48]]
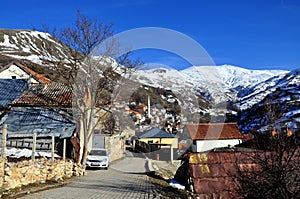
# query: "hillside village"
[[35, 104], [209, 143]]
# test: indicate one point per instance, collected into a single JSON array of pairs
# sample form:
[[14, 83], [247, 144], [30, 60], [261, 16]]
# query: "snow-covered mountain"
[[173, 80], [273, 102], [30, 45], [218, 83], [215, 84], [254, 94]]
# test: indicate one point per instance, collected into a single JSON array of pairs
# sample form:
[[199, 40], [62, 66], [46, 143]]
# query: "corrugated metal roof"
[[11, 89], [214, 131], [55, 94], [24, 121], [155, 133]]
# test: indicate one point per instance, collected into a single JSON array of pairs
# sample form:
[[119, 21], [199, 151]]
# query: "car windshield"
[[98, 152]]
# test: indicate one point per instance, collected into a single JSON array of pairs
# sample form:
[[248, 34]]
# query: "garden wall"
[[25, 172]]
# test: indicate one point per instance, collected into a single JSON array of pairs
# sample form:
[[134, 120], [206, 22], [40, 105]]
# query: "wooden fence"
[[33, 144]]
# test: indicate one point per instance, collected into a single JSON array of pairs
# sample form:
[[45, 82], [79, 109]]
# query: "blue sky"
[[253, 34]]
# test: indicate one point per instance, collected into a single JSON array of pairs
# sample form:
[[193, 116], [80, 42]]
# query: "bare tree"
[[274, 172], [273, 169], [109, 124], [90, 76]]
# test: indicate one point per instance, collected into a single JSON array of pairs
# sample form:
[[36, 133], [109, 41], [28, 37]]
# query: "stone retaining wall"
[[17, 174], [115, 146]]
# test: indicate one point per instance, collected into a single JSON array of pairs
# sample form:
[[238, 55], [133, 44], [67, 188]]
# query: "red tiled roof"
[[54, 94], [40, 77], [142, 106], [214, 131], [132, 111]]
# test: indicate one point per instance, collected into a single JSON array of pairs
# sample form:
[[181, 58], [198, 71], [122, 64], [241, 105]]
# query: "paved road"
[[124, 179], [133, 163]]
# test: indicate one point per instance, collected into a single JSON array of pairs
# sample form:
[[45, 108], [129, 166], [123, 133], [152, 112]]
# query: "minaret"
[[149, 114]]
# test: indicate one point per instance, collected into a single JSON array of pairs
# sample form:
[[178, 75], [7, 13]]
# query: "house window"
[[14, 77]]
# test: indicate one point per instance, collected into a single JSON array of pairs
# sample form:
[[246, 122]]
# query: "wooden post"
[[52, 148], [33, 155], [4, 137], [172, 156], [3, 150], [33, 147], [64, 150], [64, 155]]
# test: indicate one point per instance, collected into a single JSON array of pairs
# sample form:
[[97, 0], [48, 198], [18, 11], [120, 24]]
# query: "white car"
[[98, 158]]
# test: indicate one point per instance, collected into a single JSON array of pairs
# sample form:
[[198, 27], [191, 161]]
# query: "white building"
[[15, 70], [205, 137]]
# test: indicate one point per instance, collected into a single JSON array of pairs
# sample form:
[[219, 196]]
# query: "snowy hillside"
[[173, 80], [277, 102], [30, 45], [256, 93]]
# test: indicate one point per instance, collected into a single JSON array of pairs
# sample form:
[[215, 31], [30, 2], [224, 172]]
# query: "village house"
[[157, 142], [16, 70], [158, 136], [136, 116], [204, 137], [142, 108], [43, 109], [50, 108]]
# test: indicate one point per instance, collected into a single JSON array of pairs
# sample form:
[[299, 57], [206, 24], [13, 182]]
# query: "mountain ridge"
[[227, 77]]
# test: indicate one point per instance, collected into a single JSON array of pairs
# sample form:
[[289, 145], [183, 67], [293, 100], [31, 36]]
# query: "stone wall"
[[115, 146], [17, 174], [1, 172]]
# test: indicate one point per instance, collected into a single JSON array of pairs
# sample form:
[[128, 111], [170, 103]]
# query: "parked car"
[[98, 158]]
